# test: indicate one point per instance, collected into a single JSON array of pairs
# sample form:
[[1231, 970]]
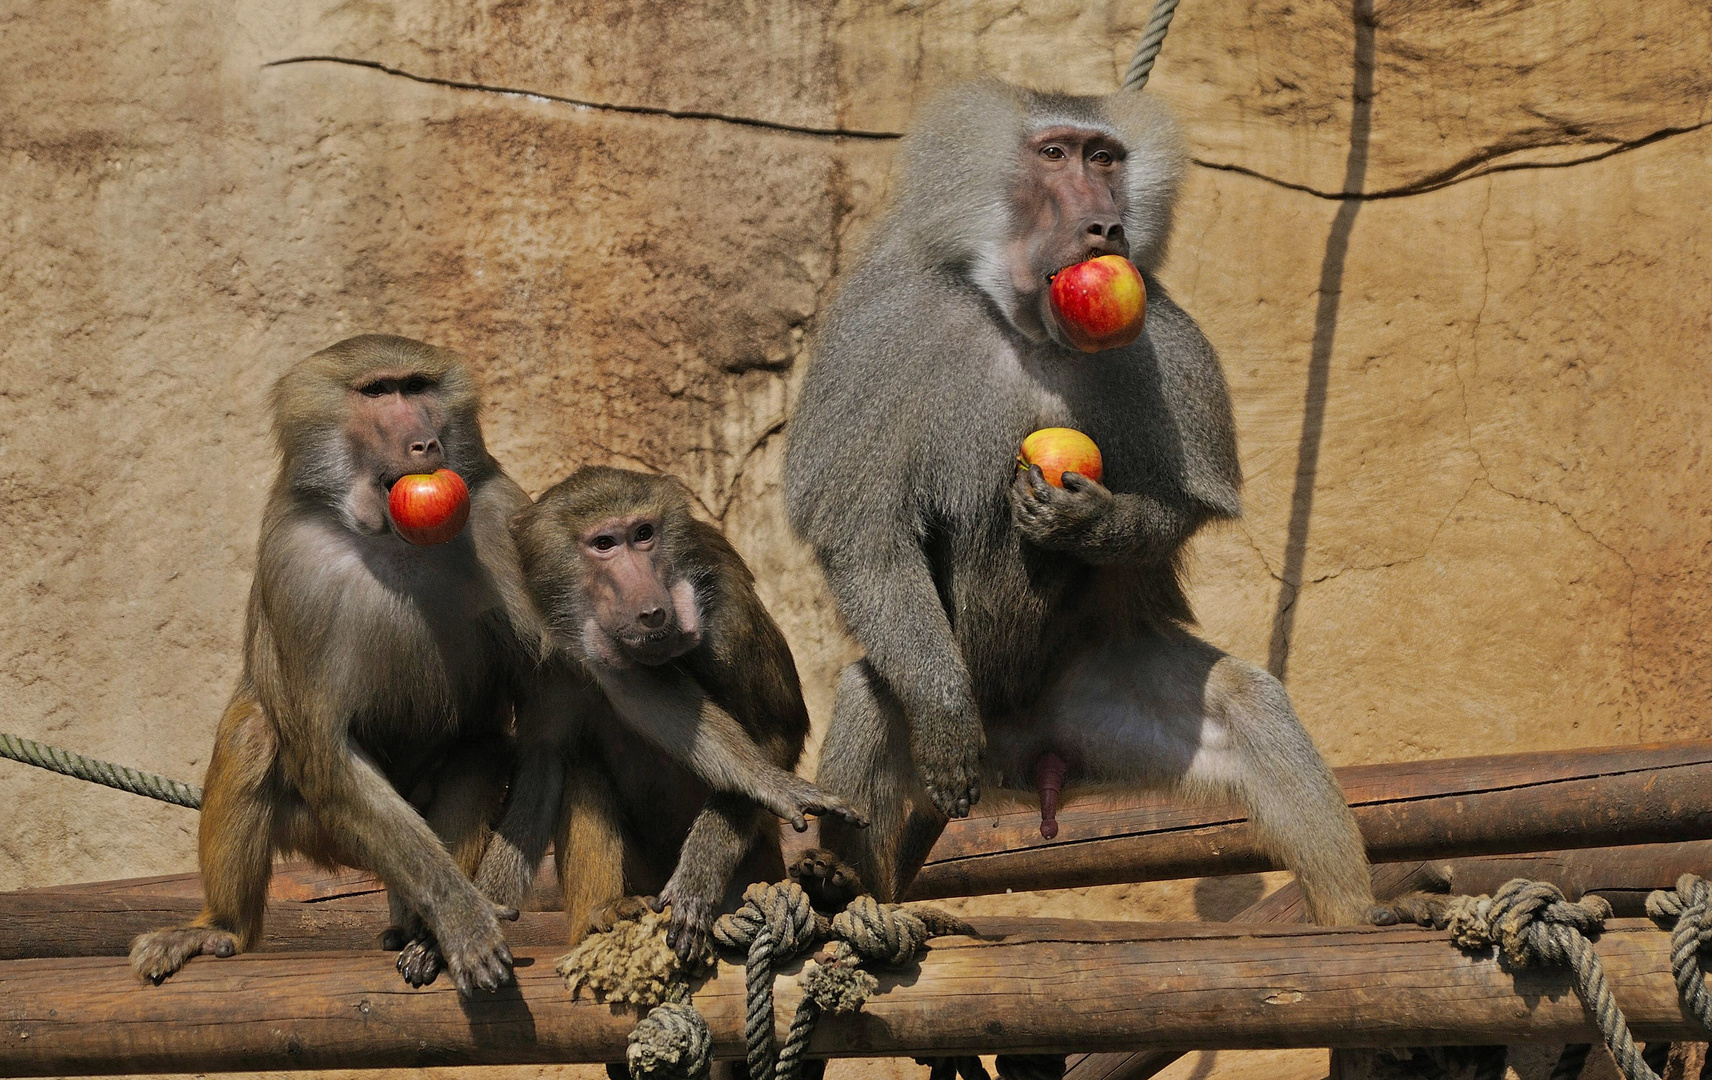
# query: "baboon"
[[376, 673], [661, 613], [369, 725], [1004, 619]]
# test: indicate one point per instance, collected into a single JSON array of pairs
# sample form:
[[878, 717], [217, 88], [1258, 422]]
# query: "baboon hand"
[[829, 881], [1058, 519], [158, 954], [948, 759], [475, 952], [690, 923], [420, 960], [795, 798], [619, 909]]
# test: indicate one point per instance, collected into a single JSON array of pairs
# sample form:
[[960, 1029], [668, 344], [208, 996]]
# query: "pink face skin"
[[637, 616], [392, 427], [1069, 204]]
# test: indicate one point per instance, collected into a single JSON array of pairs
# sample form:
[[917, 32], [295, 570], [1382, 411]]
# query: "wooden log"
[[76, 922], [299, 882], [1418, 810], [43, 923], [1025, 985], [1623, 876]]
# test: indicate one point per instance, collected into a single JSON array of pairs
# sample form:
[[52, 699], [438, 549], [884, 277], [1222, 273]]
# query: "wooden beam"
[[1028, 985], [1417, 810], [1407, 810], [80, 923], [1623, 876]]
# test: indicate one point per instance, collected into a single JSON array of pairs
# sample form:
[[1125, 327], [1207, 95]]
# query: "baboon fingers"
[[157, 955]]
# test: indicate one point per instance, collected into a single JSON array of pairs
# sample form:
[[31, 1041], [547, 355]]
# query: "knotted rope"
[[1531, 923], [867, 931], [774, 925], [1686, 910], [673, 1042], [777, 923], [96, 771]]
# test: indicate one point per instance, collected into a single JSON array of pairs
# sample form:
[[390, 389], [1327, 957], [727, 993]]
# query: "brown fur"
[[685, 825], [368, 726]]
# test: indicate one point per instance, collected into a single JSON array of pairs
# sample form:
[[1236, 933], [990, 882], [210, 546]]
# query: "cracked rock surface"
[[1455, 259]]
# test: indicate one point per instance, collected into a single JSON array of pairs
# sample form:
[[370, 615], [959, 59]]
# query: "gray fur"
[[972, 590]]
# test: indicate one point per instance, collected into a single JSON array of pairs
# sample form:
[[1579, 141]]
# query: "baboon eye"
[[644, 533], [1052, 152], [416, 384], [1101, 157], [604, 543], [374, 389]]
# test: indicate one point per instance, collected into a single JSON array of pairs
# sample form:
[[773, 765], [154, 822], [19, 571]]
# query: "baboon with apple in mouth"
[[1005, 621]]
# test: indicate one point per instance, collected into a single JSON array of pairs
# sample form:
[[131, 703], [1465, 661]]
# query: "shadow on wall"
[[1325, 329]]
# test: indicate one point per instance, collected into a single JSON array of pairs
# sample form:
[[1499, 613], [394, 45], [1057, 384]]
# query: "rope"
[[1152, 38], [1686, 908], [96, 771], [673, 1042], [774, 924], [1531, 923], [777, 923]]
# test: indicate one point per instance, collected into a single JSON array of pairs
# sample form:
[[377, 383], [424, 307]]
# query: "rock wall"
[[1455, 257]]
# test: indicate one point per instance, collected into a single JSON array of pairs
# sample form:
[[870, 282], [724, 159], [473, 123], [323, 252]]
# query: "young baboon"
[[1005, 619], [661, 613]]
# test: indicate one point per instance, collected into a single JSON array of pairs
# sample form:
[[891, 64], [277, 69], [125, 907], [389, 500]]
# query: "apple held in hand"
[[429, 508], [1058, 450], [1101, 303]]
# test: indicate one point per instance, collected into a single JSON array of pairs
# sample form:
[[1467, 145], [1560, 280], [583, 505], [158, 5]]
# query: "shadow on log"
[[1420, 810], [1031, 985]]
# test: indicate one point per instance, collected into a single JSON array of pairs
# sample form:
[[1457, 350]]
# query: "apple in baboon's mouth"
[[1058, 450], [429, 508], [1100, 303]]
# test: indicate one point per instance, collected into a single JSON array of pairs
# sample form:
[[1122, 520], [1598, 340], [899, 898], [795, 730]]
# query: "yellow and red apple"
[[429, 508], [1101, 303], [1058, 450]]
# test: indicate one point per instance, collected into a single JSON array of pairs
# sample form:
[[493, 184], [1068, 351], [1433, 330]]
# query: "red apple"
[[429, 508], [1058, 450], [1101, 303]]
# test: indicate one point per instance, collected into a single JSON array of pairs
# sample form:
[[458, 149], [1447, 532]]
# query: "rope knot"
[[886, 934], [1686, 911], [839, 985], [780, 910], [1530, 921], [673, 1042]]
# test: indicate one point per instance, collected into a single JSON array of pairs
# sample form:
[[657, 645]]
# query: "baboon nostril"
[[653, 618]]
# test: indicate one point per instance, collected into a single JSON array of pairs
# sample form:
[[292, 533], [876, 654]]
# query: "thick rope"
[[673, 1042], [96, 771], [774, 925], [1152, 39], [1686, 910], [1531, 923]]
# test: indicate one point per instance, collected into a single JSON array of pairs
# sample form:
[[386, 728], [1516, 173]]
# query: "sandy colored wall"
[[1471, 397]]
